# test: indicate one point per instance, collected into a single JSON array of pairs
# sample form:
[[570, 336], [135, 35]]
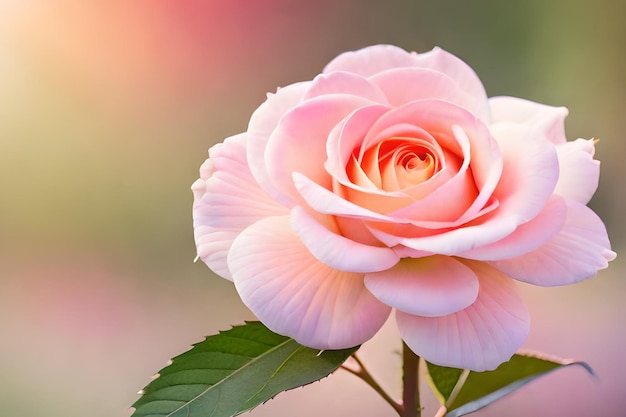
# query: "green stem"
[[369, 380], [410, 383], [411, 406]]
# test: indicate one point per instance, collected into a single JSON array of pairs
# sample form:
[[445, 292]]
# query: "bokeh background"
[[107, 109]]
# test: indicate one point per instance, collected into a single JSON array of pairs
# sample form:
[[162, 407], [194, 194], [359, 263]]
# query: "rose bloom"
[[391, 181]]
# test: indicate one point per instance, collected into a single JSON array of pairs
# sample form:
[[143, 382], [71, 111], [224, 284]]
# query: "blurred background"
[[107, 109]]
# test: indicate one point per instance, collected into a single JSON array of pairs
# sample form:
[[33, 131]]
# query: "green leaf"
[[234, 371], [463, 392]]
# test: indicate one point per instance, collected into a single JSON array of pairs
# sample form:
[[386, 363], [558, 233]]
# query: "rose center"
[[411, 161], [403, 163]]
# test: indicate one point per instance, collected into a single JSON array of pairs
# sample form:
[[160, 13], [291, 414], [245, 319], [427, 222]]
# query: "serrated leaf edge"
[[252, 361]]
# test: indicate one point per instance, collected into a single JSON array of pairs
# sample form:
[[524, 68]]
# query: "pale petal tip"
[[609, 255], [207, 168], [198, 186]]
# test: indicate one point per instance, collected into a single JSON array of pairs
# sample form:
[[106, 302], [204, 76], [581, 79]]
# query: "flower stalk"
[[364, 374], [410, 383], [410, 406]]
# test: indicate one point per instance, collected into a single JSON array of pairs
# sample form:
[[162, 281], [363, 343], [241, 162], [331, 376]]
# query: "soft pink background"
[[107, 109]]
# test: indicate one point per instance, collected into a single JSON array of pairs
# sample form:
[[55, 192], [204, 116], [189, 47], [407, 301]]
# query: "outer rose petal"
[[403, 85], [296, 295], [527, 237], [226, 201], [337, 251], [580, 173], [345, 83], [463, 75], [432, 286], [480, 337], [530, 174], [375, 59], [575, 253], [455, 241], [371, 60], [262, 124], [547, 119]]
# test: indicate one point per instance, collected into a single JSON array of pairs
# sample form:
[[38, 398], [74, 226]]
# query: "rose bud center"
[[406, 162]]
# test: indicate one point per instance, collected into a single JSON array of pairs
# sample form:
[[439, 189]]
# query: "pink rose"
[[391, 181]]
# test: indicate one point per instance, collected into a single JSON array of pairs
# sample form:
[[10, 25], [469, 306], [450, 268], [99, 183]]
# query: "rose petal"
[[575, 253], [432, 286], [206, 170], [403, 85], [397, 203], [227, 201], [548, 120], [480, 337], [355, 230], [433, 116], [527, 237], [580, 173], [298, 143], [213, 245], [347, 136], [296, 295], [371, 60], [262, 123], [345, 83], [462, 74], [445, 242], [327, 202], [337, 251], [530, 171]]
